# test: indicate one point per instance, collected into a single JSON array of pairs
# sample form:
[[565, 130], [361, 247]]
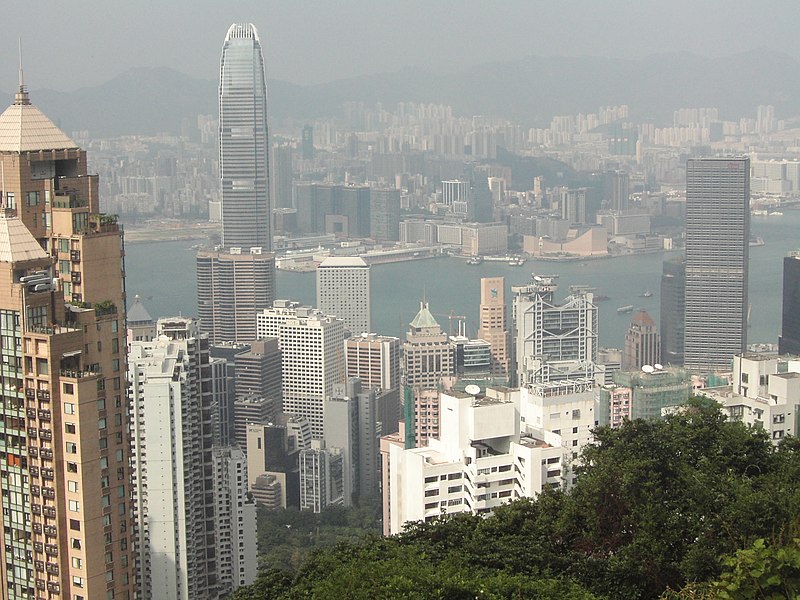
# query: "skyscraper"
[[717, 251], [343, 290], [642, 342], [244, 140], [673, 292], [789, 341], [238, 280], [493, 323], [65, 475]]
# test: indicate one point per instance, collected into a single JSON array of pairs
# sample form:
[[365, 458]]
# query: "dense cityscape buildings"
[[270, 402]]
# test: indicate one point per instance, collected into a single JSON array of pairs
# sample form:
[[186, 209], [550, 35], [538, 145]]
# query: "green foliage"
[[657, 505]]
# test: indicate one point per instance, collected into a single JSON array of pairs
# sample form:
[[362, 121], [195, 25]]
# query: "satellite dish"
[[472, 389], [658, 367], [648, 369]]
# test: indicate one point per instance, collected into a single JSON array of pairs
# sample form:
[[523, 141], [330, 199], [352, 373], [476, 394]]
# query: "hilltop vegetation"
[[690, 507]]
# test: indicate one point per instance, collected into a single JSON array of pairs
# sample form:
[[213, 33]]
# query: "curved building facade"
[[244, 141]]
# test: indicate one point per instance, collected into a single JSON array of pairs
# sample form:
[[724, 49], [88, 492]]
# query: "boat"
[[475, 260], [628, 308], [775, 213], [646, 294], [516, 261], [756, 240]]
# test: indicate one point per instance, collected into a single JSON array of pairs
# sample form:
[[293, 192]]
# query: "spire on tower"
[[22, 94]]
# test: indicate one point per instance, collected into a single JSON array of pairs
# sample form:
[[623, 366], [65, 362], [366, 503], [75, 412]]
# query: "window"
[[74, 506], [106, 501], [72, 447], [68, 389], [32, 198], [76, 543], [745, 378], [77, 581], [72, 486], [115, 365], [74, 524], [10, 200], [72, 467], [101, 423], [69, 408], [77, 563], [69, 427], [103, 462], [103, 443]]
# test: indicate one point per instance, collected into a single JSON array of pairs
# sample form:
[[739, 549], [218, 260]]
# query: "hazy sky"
[[70, 44]]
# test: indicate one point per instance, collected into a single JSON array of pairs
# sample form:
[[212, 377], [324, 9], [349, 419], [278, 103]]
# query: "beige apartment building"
[[64, 456]]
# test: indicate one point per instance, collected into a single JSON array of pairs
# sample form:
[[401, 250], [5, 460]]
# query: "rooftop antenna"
[[22, 94]]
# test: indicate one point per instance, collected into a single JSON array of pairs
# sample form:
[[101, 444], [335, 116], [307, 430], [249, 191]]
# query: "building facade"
[[789, 341], [494, 325], [66, 477], [673, 296], [343, 290], [717, 252], [244, 141], [642, 342]]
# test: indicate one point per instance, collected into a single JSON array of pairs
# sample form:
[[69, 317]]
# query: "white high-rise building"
[[178, 527], [312, 357], [485, 456], [343, 291]]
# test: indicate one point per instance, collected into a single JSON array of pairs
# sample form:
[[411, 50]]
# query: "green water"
[[163, 273]]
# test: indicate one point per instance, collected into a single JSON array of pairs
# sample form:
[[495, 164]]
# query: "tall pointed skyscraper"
[[238, 280], [244, 140]]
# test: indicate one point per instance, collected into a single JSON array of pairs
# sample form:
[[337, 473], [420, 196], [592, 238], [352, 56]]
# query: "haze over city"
[[418, 300], [314, 42]]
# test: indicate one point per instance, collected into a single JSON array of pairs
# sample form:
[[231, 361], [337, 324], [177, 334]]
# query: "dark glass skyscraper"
[[244, 141], [789, 341], [717, 252], [673, 290]]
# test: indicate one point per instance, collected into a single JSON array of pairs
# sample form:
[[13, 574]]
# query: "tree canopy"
[[686, 504]]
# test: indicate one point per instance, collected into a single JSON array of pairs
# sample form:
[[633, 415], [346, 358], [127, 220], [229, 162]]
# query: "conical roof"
[[643, 318], [16, 241], [424, 318], [24, 128], [137, 313]]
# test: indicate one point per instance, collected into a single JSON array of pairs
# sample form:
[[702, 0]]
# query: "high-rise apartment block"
[[642, 342], [258, 370], [717, 251], [789, 341], [343, 290], [375, 361], [493, 323], [384, 215], [65, 472]]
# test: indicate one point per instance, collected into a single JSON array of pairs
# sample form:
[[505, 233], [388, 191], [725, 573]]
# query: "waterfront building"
[[616, 190], [244, 141], [455, 191], [573, 205], [281, 176], [233, 285], [642, 342], [477, 239], [343, 290], [789, 340], [717, 251], [178, 530], [493, 324], [237, 280], [384, 215], [65, 468], [673, 297], [342, 210], [547, 332], [485, 456]]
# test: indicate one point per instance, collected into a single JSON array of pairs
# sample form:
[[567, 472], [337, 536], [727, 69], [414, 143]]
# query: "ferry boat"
[[475, 260], [756, 240], [646, 294], [516, 261], [628, 308]]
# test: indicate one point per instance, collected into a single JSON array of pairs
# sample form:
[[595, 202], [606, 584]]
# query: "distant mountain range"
[[529, 91]]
